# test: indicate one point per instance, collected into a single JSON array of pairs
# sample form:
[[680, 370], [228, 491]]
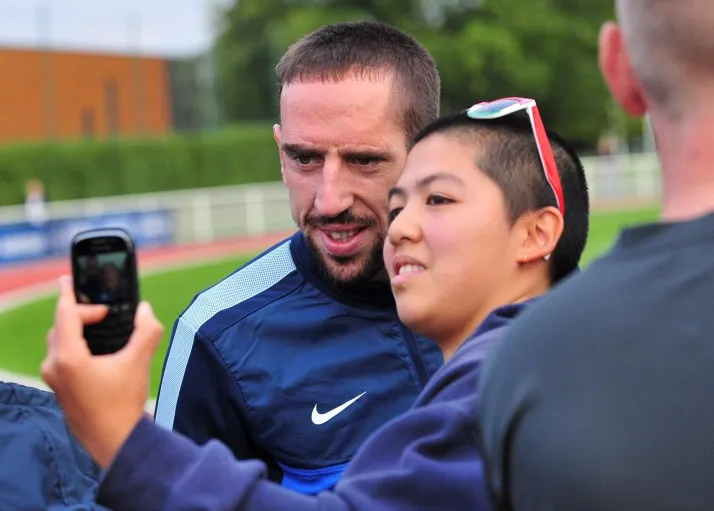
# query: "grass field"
[[23, 330], [22, 345]]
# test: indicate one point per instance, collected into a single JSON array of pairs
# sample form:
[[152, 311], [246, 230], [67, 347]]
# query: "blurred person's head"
[[34, 188], [474, 224], [657, 59], [111, 276], [91, 264], [352, 95]]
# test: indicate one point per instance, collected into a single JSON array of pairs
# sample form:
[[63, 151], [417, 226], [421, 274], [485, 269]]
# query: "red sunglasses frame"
[[544, 148]]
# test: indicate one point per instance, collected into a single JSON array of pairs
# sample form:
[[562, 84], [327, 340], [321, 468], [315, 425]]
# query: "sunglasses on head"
[[506, 106]]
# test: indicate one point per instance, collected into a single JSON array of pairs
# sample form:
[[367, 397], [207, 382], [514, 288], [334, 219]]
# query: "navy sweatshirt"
[[426, 459]]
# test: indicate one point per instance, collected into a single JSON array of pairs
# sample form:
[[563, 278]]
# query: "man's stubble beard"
[[365, 274], [371, 268]]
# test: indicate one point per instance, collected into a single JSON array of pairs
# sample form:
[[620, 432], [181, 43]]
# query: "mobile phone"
[[104, 271]]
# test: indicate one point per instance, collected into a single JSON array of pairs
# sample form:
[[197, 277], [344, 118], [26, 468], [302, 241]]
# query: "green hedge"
[[80, 169]]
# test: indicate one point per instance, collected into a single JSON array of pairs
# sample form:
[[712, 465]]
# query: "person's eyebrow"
[[424, 182], [299, 149], [370, 154], [292, 149]]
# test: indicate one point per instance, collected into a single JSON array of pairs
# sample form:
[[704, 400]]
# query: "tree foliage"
[[485, 49]]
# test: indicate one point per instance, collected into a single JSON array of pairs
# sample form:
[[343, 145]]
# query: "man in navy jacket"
[[299, 355]]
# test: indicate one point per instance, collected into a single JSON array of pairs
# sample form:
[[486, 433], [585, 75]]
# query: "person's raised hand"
[[102, 397]]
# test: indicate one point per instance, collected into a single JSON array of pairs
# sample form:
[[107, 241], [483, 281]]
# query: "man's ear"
[[278, 136], [541, 230], [617, 70]]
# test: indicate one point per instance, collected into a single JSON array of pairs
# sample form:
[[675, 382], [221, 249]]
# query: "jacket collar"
[[502, 316], [373, 295]]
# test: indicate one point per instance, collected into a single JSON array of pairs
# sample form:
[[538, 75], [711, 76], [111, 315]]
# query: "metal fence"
[[623, 181], [208, 214]]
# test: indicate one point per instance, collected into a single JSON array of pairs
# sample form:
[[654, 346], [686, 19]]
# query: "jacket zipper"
[[415, 354]]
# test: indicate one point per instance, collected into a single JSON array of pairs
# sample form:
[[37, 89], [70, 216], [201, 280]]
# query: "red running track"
[[22, 276]]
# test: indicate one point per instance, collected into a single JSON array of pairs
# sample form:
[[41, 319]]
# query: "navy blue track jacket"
[[42, 466], [281, 365], [427, 459]]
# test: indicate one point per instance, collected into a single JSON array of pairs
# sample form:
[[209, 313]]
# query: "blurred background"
[[156, 115]]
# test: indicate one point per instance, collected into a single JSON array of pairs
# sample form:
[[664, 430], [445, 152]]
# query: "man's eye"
[[393, 214], [305, 159], [364, 160], [437, 200]]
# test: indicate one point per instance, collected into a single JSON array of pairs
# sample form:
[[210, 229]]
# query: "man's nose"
[[335, 192]]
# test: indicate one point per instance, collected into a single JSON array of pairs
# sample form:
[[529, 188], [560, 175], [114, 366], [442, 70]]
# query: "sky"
[[164, 27]]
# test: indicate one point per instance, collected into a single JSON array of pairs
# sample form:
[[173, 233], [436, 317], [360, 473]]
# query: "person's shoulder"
[[17, 394], [458, 378], [266, 269], [255, 284], [476, 348], [32, 422], [491, 332]]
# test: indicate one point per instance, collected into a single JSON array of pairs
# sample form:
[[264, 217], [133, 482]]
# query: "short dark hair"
[[369, 47], [510, 158]]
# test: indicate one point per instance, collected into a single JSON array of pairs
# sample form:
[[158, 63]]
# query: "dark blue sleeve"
[[158, 470], [428, 458], [199, 397]]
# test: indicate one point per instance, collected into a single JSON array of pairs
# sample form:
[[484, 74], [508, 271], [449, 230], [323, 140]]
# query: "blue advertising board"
[[22, 242]]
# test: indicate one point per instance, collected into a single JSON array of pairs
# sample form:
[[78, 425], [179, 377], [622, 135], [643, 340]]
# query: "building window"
[[111, 100], [88, 127]]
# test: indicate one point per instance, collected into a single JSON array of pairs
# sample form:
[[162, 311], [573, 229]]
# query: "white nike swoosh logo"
[[321, 418]]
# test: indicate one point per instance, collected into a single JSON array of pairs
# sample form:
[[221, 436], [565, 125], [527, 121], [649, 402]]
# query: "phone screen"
[[103, 279]]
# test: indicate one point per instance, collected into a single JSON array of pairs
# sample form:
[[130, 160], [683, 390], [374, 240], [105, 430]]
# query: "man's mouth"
[[343, 241], [343, 235]]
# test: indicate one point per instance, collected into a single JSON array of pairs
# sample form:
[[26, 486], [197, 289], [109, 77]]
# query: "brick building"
[[65, 95]]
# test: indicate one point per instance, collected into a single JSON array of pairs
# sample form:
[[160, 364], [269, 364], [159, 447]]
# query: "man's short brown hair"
[[369, 48]]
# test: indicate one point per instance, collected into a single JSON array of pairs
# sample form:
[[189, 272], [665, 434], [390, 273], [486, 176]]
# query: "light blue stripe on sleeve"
[[251, 280]]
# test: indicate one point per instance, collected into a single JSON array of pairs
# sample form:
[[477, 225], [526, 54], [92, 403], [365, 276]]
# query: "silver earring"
[[546, 257]]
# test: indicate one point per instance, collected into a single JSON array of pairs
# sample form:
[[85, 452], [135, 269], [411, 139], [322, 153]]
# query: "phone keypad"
[[113, 332]]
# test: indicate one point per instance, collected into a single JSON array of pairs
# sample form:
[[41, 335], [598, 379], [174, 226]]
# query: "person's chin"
[[344, 269], [411, 310]]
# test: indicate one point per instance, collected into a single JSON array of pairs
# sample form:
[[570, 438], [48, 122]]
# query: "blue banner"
[[22, 242]]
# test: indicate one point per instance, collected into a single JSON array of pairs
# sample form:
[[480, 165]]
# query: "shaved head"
[[671, 48], [658, 59]]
